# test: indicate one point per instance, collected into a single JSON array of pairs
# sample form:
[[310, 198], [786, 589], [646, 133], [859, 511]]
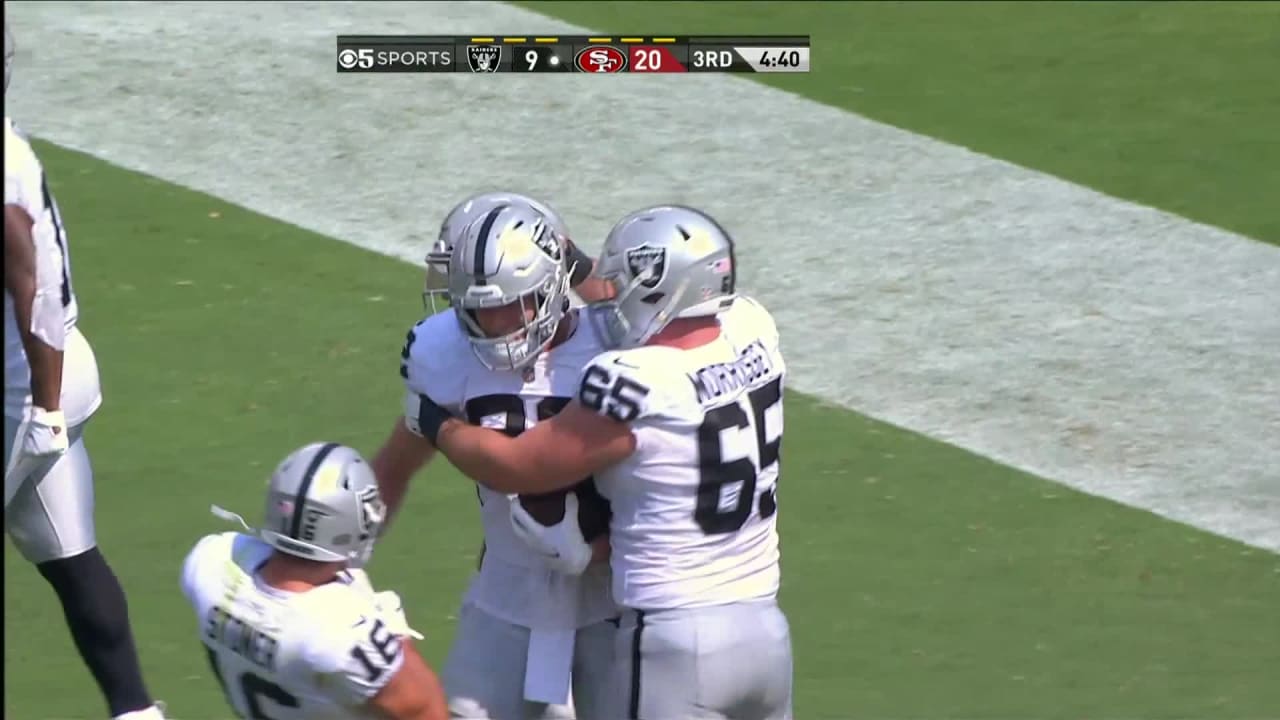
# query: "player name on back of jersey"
[[228, 631], [716, 381]]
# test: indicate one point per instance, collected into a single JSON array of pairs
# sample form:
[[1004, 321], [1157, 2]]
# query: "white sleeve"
[[427, 367], [48, 318], [357, 659], [17, 165], [23, 187]]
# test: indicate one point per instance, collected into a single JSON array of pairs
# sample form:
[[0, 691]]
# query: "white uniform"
[[48, 504], [318, 655], [694, 529], [523, 626]]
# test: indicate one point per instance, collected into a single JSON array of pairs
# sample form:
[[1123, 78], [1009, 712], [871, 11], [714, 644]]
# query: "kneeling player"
[[293, 629]]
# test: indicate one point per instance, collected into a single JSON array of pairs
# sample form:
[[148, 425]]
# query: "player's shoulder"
[[222, 559], [17, 148], [22, 169], [747, 318], [340, 604], [629, 384], [646, 361], [587, 340], [435, 351], [352, 635]]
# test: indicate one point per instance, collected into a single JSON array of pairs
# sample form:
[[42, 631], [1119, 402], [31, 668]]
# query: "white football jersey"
[[25, 186], [319, 655], [513, 582], [695, 506]]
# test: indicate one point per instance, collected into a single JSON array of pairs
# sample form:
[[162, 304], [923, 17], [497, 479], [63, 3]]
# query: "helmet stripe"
[[300, 500], [482, 241]]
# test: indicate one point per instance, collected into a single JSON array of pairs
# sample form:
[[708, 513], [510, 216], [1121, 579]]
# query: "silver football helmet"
[[664, 263], [460, 217], [323, 504], [510, 254]]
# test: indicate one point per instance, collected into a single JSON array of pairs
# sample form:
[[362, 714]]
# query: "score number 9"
[[540, 59]]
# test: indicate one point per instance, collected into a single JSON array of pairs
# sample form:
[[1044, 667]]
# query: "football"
[[593, 510]]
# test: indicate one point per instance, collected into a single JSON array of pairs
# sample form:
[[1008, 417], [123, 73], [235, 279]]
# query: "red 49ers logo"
[[600, 59]]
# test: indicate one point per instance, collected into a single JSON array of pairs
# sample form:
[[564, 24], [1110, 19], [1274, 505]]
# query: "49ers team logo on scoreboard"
[[601, 59]]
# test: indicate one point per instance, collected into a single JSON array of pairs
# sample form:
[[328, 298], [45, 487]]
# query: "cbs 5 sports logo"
[[367, 58], [349, 59]]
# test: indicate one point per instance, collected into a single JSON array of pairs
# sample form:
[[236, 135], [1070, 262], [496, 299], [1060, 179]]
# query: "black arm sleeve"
[[579, 263]]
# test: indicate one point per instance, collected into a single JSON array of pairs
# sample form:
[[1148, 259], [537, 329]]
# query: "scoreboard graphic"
[[572, 54]]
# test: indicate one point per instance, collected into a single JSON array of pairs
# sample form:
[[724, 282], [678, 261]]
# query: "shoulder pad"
[[430, 358], [22, 172], [620, 384], [356, 645]]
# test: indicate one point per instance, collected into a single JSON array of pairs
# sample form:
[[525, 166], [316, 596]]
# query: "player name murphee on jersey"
[[597, 55]]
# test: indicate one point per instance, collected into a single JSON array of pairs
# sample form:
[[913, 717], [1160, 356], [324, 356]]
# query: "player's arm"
[[552, 455], [589, 287], [36, 302], [413, 693], [402, 455], [373, 665], [405, 451]]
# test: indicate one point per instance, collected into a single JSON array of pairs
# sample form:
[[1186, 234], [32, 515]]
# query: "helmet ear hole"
[[653, 298]]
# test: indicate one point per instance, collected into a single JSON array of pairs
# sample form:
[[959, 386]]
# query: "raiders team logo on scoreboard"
[[484, 58]]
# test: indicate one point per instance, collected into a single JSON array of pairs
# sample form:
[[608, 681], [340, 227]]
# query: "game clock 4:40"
[[775, 59]]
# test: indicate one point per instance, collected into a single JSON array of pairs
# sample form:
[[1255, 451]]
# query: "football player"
[[291, 625], [681, 425], [586, 286], [51, 391], [534, 628]]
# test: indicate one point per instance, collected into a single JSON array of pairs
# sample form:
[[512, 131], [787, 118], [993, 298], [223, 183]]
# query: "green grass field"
[[921, 581]]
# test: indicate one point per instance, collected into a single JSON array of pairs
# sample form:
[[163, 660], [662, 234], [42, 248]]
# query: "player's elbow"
[[414, 693], [402, 455]]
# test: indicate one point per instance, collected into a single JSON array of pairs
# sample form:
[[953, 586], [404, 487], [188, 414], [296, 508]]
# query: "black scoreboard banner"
[[572, 54]]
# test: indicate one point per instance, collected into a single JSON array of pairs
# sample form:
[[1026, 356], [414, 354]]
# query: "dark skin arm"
[[20, 281], [552, 455]]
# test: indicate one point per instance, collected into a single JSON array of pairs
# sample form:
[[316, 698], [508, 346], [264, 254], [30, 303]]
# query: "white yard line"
[[1112, 347]]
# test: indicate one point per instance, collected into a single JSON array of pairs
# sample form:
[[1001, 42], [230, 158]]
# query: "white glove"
[[46, 433], [561, 545], [392, 610]]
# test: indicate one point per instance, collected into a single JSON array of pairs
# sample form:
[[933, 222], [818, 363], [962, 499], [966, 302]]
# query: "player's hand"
[[561, 545], [46, 433]]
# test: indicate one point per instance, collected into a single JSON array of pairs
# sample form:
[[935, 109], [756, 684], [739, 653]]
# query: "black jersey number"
[[718, 473], [511, 408], [254, 689]]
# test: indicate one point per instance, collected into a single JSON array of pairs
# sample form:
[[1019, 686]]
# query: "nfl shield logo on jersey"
[[484, 58], [648, 264]]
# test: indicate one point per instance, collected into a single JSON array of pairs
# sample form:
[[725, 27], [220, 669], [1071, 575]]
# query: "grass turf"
[[920, 580], [1165, 104]]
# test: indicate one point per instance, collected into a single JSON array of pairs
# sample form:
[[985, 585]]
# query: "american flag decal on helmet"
[[722, 266]]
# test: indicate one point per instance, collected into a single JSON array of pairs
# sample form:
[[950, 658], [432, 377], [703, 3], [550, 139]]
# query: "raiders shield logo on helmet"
[[484, 58], [648, 264]]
